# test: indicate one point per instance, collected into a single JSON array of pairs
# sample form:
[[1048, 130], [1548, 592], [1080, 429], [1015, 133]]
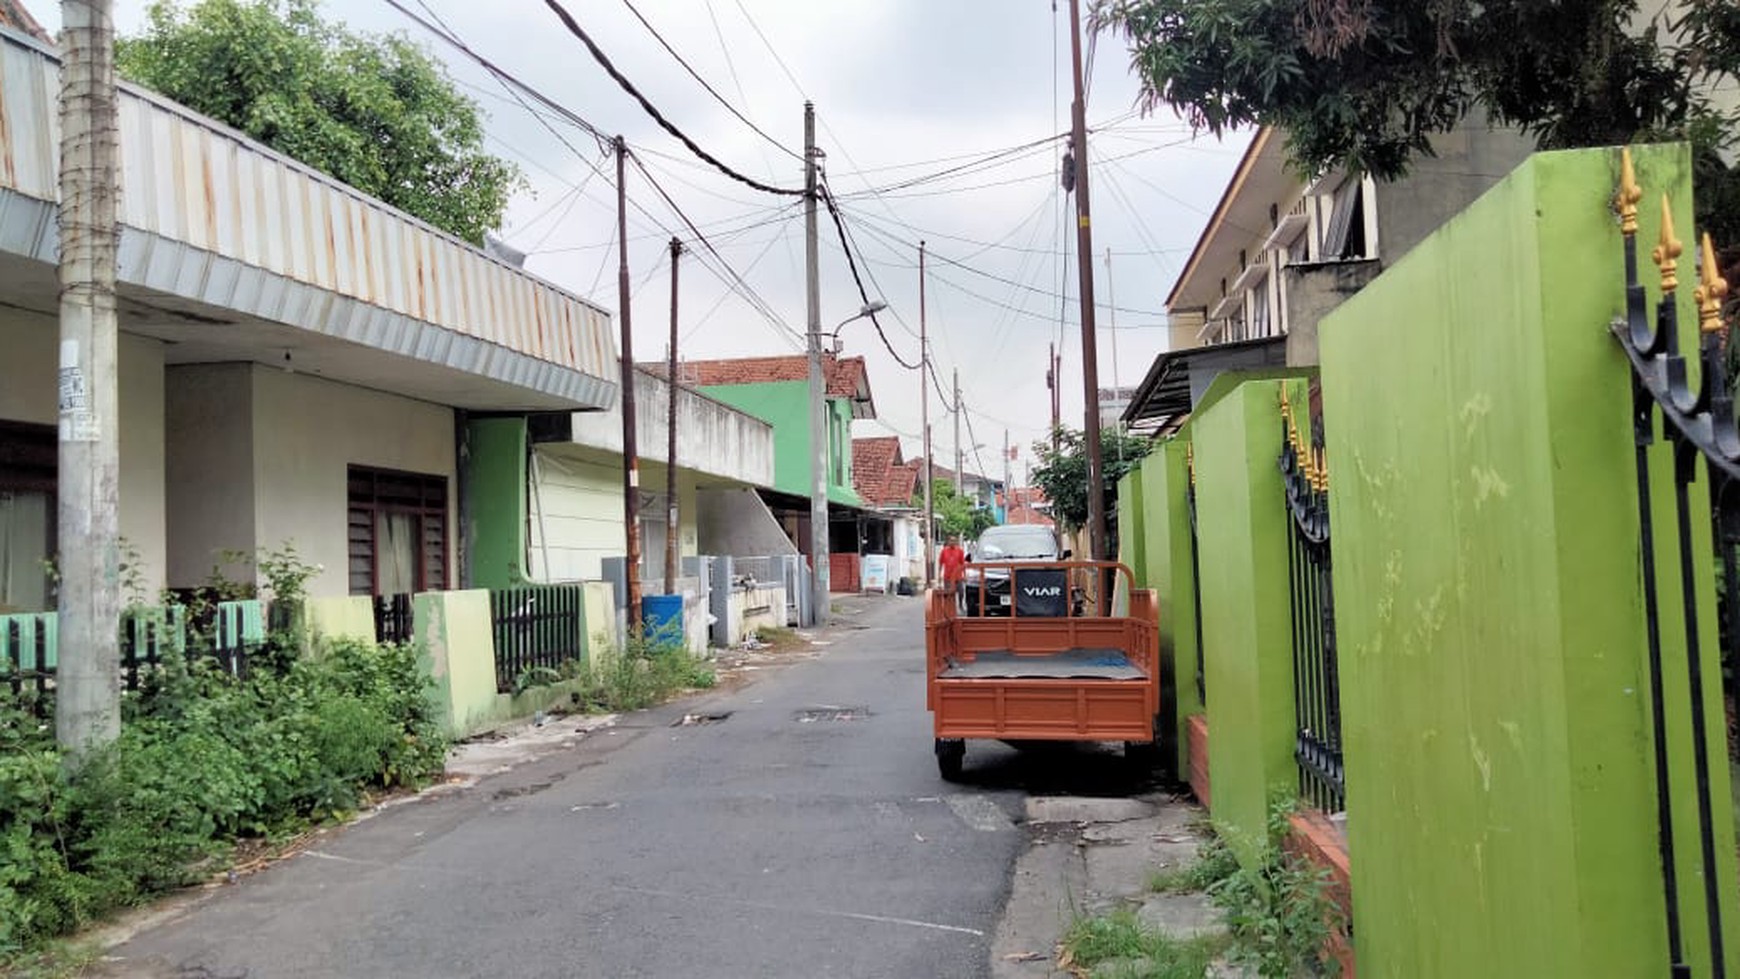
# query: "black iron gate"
[[1698, 425], [1195, 575], [1316, 679]]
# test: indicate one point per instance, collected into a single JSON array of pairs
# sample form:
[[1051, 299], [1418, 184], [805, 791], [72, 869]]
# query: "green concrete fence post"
[[1500, 789], [1246, 618]]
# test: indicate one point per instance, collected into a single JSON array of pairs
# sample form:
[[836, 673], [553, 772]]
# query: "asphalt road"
[[805, 835]]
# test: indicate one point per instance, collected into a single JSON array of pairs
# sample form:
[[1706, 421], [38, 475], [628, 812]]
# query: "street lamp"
[[870, 308], [819, 453]]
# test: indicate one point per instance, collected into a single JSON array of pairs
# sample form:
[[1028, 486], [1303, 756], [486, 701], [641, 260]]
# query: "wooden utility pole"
[[87, 684], [1053, 367], [924, 402], [1090, 373], [672, 524], [630, 447], [1112, 328], [819, 449]]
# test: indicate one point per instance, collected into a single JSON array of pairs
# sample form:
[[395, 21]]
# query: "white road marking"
[[783, 909]]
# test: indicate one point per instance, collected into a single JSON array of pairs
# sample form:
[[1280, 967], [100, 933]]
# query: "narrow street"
[[806, 834]]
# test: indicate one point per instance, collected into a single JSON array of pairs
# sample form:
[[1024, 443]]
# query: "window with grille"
[[397, 532]]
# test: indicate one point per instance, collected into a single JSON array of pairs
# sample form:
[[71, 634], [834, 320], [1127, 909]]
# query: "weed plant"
[[203, 760]]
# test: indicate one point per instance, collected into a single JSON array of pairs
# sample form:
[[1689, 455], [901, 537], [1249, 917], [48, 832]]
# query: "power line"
[[771, 50], [703, 82], [598, 55], [840, 227], [750, 295], [992, 275]]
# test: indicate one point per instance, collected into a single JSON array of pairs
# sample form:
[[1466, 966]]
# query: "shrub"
[[202, 760]]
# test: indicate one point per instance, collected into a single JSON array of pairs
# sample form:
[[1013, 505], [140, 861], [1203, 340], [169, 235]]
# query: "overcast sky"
[[903, 89]]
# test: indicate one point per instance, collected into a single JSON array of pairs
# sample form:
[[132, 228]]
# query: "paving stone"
[[1181, 916], [1081, 809]]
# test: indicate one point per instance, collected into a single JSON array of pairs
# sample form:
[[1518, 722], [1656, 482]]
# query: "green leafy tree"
[[375, 111], [956, 515], [1364, 84], [1062, 474]]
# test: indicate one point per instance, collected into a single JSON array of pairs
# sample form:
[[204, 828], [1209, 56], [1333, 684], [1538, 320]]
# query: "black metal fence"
[[1195, 575], [536, 626], [1316, 678], [27, 644], [393, 619], [1698, 425]]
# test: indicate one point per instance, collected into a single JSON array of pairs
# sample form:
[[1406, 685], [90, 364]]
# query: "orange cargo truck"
[[1046, 668]]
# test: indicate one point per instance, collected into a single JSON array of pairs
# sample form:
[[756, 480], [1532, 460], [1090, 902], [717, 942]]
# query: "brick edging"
[[1324, 843]]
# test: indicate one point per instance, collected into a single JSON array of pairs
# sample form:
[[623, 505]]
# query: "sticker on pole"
[[77, 422]]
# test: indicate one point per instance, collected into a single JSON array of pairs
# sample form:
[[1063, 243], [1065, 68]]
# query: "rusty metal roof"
[[215, 217]]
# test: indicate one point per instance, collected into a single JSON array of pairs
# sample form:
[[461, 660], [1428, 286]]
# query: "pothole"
[[830, 713], [701, 717]]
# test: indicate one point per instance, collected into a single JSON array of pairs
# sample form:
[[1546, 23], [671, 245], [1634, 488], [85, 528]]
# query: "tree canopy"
[[375, 111], [956, 515], [1364, 84], [1062, 474]]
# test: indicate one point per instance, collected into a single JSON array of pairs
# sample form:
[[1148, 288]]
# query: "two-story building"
[[776, 390], [1279, 252]]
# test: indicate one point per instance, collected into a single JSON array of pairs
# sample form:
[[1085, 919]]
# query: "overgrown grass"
[[202, 761], [639, 674], [1278, 907], [1118, 946], [780, 638], [1215, 862]]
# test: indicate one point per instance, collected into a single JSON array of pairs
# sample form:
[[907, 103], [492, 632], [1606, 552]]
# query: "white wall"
[[577, 492], [575, 515], [736, 522], [210, 455], [307, 432], [28, 366]]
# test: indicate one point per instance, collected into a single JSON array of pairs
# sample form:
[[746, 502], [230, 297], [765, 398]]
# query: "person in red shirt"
[[954, 565]]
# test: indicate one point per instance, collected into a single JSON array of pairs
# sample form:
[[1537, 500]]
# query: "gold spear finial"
[[1667, 253], [1629, 193], [1712, 289]]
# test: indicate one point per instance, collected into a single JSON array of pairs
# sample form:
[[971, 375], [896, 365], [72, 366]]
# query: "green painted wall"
[[458, 650], [785, 405], [1167, 570], [494, 473], [341, 617], [1132, 541], [1246, 622], [1487, 595]]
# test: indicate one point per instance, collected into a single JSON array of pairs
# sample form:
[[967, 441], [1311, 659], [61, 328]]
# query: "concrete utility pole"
[[672, 524], [818, 393], [1008, 485], [960, 484], [1085, 264], [924, 402], [88, 685], [630, 447]]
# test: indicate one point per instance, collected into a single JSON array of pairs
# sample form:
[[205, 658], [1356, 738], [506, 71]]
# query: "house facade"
[[1280, 252], [297, 362]]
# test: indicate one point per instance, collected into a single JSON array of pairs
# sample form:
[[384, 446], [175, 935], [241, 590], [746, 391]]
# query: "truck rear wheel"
[[950, 752]]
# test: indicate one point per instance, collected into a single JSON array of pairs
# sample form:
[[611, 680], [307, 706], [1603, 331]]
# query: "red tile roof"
[[879, 474], [846, 376], [14, 15]]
